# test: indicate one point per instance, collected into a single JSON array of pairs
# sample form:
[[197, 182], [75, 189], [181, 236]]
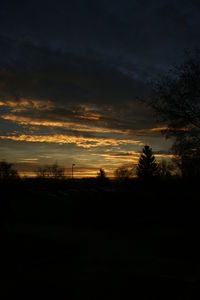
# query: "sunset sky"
[[71, 73]]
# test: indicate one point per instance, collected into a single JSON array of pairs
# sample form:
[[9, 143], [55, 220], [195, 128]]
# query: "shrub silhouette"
[[147, 165], [123, 173], [101, 174], [190, 166], [6, 171], [166, 168], [51, 171]]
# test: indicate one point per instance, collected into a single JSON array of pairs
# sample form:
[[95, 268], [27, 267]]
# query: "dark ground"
[[94, 240]]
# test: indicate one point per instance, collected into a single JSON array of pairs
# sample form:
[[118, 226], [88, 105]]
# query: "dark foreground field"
[[90, 240]]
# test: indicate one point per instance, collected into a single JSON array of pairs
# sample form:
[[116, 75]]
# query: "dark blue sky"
[[71, 73]]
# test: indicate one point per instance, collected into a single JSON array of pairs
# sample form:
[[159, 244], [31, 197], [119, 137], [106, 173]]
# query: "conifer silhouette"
[[101, 174], [147, 165]]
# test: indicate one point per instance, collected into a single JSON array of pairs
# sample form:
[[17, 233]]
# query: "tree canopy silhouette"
[[176, 100], [124, 173], [166, 168], [6, 171], [147, 165], [101, 174], [51, 171]]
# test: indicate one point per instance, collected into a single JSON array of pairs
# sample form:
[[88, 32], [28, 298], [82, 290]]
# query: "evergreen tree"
[[147, 166], [101, 174]]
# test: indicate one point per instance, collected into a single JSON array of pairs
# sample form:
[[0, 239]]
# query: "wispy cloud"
[[90, 142], [62, 124], [22, 104], [83, 122], [29, 160]]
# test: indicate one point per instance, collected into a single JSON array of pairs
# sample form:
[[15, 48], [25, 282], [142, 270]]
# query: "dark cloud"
[[34, 72], [91, 51]]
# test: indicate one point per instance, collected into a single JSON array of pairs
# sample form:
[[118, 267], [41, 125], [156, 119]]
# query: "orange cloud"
[[79, 126], [80, 141], [90, 116], [121, 158], [22, 104], [60, 124], [31, 160]]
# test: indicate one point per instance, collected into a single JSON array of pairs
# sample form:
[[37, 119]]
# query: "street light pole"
[[73, 165]]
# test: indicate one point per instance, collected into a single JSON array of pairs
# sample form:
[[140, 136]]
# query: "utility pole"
[[73, 165]]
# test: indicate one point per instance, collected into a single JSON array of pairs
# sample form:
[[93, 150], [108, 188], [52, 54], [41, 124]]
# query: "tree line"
[[146, 168]]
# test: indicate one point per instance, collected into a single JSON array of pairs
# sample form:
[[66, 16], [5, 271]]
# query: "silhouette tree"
[[51, 171], [147, 165], [166, 168], [101, 174], [188, 158], [6, 171], [123, 173], [176, 100], [57, 172]]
